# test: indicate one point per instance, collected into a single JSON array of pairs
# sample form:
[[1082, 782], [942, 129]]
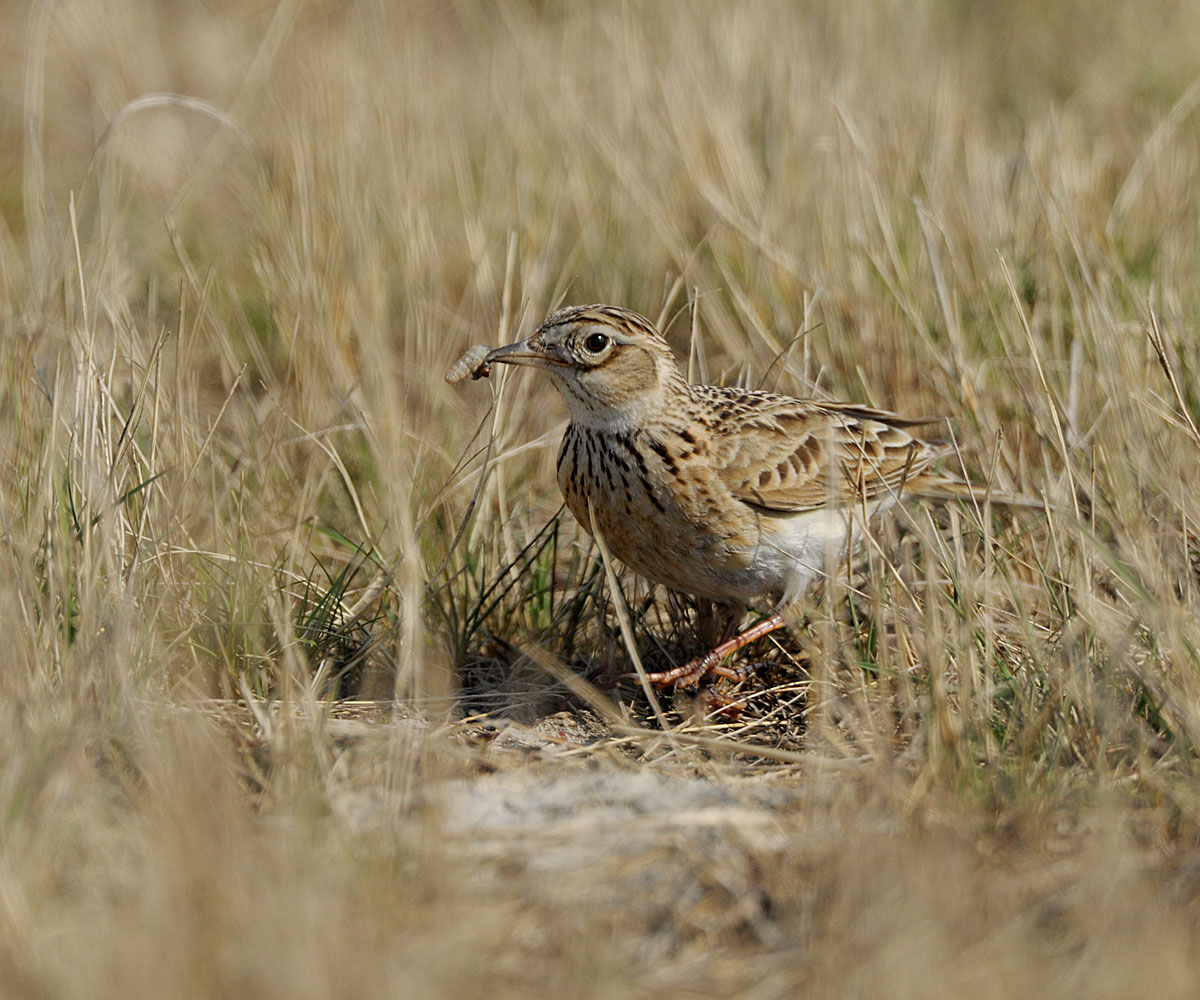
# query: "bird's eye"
[[595, 343]]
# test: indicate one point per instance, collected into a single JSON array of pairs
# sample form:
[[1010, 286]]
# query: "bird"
[[729, 494]]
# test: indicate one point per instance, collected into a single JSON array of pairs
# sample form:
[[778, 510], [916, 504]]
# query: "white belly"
[[796, 549]]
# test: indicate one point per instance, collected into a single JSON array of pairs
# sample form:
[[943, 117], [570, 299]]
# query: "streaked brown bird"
[[728, 494]]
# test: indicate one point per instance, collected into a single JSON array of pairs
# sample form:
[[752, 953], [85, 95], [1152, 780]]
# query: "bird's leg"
[[706, 622], [710, 663], [717, 621]]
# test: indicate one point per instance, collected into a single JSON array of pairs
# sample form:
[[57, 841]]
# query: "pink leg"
[[710, 664]]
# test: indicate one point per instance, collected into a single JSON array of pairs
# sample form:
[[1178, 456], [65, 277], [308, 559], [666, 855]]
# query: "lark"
[[729, 494]]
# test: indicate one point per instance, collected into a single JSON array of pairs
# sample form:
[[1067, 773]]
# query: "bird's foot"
[[691, 674], [716, 703], [710, 665]]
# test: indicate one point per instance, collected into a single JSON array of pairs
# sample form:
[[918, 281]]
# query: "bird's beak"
[[524, 352]]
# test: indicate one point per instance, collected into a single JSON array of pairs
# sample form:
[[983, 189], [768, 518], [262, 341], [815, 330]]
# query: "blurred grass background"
[[239, 244]]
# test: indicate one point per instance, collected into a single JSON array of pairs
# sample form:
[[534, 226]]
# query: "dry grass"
[[233, 472]]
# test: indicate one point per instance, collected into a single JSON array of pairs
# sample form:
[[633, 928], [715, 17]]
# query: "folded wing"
[[790, 455]]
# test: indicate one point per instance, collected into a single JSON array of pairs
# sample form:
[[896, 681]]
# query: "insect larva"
[[471, 363]]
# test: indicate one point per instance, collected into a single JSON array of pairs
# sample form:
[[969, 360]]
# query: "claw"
[[709, 665], [690, 674]]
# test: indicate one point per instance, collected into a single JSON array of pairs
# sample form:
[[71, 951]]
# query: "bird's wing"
[[786, 454]]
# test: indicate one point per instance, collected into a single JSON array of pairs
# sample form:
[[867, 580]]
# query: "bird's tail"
[[943, 487]]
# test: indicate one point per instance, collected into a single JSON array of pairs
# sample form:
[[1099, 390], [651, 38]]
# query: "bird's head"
[[612, 367]]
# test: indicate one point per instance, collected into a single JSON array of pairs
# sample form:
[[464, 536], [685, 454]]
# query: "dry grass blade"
[[618, 597], [1160, 351]]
